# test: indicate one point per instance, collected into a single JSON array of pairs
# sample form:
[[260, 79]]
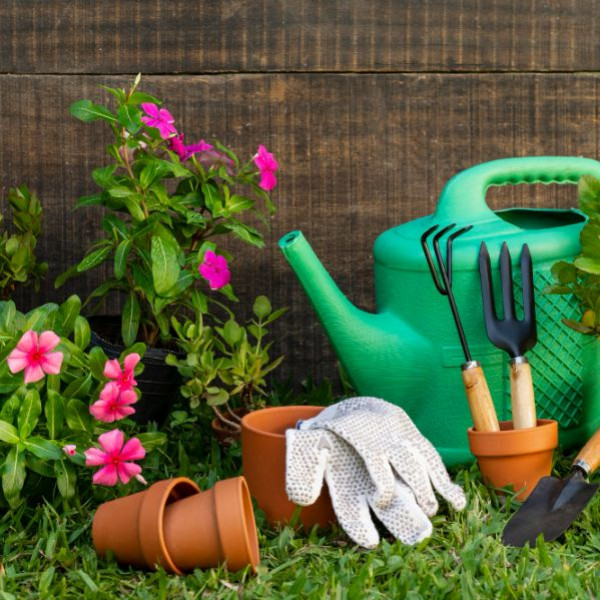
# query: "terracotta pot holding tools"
[[175, 525], [515, 457], [263, 465]]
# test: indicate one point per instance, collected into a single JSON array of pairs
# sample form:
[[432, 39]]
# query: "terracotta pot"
[[175, 525], [224, 436], [515, 457], [263, 465]]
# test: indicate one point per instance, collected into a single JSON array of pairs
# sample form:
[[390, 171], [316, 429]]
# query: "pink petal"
[[165, 129], [110, 392], [128, 397], [106, 475], [17, 360], [165, 115], [210, 258], [123, 411], [128, 470], [130, 362], [101, 411], [267, 181], [51, 362], [48, 340], [221, 263], [112, 369], [219, 280], [95, 457], [150, 109], [133, 450], [33, 373], [69, 449], [28, 342], [112, 441]]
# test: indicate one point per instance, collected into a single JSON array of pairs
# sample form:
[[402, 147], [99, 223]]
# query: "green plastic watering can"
[[409, 352]]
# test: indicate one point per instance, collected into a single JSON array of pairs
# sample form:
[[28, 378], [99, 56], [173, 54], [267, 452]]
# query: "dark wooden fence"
[[369, 106]]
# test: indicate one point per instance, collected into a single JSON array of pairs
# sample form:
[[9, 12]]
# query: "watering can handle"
[[463, 197]]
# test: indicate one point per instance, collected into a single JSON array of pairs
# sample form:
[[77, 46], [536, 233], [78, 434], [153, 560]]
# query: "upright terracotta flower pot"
[[263, 465], [515, 457], [175, 525]]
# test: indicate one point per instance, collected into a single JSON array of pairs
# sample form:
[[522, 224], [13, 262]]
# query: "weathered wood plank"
[[358, 154], [127, 36]]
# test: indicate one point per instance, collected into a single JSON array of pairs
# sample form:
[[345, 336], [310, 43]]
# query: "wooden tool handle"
[[522, 398], [479, 397], [590, 454]]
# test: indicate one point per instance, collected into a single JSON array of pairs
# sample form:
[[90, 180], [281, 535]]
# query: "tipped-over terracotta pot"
[[515, 457], [175, 525], [263, 465]]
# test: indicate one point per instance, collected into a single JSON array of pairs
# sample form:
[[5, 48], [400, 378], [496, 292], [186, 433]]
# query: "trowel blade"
[[552, 506]]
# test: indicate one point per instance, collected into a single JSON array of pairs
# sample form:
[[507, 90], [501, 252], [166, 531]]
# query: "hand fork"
[[515, 336]]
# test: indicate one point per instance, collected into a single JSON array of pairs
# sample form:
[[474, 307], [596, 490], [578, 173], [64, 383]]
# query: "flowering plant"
[[56, 400], [18, 264], [167, 201]]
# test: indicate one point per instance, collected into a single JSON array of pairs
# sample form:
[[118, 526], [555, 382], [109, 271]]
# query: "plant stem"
[[235, 426]]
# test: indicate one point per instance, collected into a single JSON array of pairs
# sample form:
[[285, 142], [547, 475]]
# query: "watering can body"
[[408, 352]]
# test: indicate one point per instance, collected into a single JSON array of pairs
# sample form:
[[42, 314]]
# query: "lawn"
[[47, 550]]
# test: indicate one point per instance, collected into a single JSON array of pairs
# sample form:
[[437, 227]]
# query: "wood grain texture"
[[358, 154], [522, 396], [178, 36], [590, 453], [480, 400]]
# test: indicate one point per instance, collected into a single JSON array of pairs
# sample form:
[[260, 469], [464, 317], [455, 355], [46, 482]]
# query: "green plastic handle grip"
[[463, 197]]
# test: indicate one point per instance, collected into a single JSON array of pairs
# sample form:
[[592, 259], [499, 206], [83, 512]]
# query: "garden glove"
[[314, 455], [388, 441]]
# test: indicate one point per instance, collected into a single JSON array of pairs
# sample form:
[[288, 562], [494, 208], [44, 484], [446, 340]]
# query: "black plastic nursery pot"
[[159, 383]]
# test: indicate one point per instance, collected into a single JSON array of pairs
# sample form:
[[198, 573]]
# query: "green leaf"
[[111, 223], [92, 200], [8, 433], [82, 332], [217, 398], [130, 320], [139, 97], [78, 416], [30, 411], [86, 110], [236, 204], [70, 272], [79, 388], [139, 348], [10, 408], [97, 360], [93, 259], [121, 257], [65, 478], [103, 176], [54, 409], [152, 440], [212, 199], [589, 265], [43, 448], [38, 316], [262, 307], [165, 266], [244, 232], [13, 472], [579, 327], [132, 202], [129, 117], [67, 313]]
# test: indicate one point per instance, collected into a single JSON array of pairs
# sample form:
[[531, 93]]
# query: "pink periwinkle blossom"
[[160, 118], [69, 449], [115, 456], [123, 377], [215, 270], [267, 165], [187, 151], [113, 404], [34, 355]]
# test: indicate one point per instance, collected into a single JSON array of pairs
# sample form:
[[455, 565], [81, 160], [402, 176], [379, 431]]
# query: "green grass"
[[47, 551]]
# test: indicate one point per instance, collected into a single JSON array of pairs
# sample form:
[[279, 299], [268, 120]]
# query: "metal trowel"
[[555, 503]]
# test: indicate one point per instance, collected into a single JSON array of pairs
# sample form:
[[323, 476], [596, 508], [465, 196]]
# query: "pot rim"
[[151, 519], [514, 442], [247, 420]]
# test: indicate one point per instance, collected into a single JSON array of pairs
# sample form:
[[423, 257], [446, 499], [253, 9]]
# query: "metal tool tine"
[[528, 293], [487, 295], [508, 296], [446, 276], [441, 289], [449, 243]]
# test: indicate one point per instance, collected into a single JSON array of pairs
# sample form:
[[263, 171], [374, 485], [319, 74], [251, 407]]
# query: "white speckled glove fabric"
[[371, 454]]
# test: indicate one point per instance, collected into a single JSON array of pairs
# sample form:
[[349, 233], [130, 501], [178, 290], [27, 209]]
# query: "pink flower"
[[123, 377], [160, 118], [176, 144], [114, 403], [214, 269], [267, 165], [69, 449], [115, 458], [34, 355]]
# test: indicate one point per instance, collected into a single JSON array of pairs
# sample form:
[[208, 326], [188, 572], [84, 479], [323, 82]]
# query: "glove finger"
[[352, 511], [403, 518], [306, 455], [413, 471]]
